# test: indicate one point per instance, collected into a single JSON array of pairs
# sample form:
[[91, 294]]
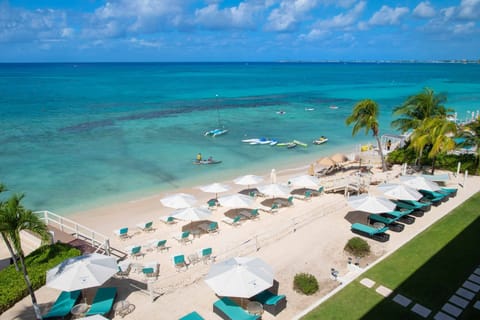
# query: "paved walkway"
[[451, 310]]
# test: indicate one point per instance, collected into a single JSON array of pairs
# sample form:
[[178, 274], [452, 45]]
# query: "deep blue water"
[[80, 135]]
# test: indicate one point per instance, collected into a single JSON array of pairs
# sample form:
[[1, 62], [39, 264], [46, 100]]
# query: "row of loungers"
[[404, 212], [102, 303]]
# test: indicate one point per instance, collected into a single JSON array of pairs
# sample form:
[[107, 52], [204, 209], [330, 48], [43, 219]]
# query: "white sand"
[[308, 237]]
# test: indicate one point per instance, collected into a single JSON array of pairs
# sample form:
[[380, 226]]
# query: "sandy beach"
[[306, 237]]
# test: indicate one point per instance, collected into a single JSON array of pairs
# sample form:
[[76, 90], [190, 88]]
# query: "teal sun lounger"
[[103, 301], [401, 216], [192, 316], [62, 306], [418, 208], [229, 310], [391, 223], [272, 303], [371, 232], [435, 197]]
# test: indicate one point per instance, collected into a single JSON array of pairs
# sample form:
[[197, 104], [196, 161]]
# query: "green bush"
[[357, 247], [12, 284], [305, 283]]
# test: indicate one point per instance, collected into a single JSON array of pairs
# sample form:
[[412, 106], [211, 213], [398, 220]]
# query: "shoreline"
[[263, 169]]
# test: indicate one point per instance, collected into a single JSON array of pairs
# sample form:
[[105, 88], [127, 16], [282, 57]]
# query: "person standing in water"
[[199, 157]]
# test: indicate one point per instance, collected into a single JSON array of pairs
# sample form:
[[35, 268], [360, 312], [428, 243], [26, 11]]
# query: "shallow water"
[[79, 135]]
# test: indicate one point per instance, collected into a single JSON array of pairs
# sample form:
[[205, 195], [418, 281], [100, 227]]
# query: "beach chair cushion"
[[227, 309], [63, 304], [375, 234], [103, 301], [272, 303], [192, 316]]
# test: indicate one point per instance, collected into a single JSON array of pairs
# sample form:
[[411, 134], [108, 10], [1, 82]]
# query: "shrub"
[[12, 284], [305, 283], [357, 247]]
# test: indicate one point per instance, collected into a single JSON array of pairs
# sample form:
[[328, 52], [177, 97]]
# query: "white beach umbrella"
[[419, 183], [399, 191], [191, 213], [275, 190], [305, 181], [273, 176], [371, 204], [215, 188], [179, 200], [241, 277], [248, 180], [237, 200], [82, 272]]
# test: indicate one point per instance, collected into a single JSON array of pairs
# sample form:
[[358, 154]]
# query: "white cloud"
[[315, 34], [242, 16], [463, 28], [145, 43], [424, 10], [388, 16], [469, 9], [20, 25], [121, 17], [343, 20], [287, 16]]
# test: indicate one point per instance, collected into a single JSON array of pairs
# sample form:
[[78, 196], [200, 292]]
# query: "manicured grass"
[[428, 270]]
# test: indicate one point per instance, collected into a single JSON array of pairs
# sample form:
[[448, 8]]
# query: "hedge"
[[12, 284]]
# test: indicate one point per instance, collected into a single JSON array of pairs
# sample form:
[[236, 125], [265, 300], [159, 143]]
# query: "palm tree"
[[471, 133], [418, 108], [4, 234], [13, 219], [365, 115], [434, 134]]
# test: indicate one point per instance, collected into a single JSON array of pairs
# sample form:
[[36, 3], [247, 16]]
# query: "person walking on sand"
[[389, 144]]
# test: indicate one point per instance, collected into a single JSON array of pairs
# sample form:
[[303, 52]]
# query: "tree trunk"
[[36, 308], [10, 249], [433, 165], [384, 166]]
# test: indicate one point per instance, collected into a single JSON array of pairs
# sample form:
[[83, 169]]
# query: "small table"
[[79, 310], [123, 307], [378, 225], [255, 307]]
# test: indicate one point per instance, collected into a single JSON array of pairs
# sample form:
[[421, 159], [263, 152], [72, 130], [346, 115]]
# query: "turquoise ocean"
[[75, 136]]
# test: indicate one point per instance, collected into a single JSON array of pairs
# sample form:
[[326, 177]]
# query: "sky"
[[227, 30]]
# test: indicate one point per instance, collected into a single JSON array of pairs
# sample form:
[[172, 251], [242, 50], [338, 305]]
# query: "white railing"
[[95, 239]]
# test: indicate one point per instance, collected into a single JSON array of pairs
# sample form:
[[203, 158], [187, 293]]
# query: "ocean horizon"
[[80, 135]]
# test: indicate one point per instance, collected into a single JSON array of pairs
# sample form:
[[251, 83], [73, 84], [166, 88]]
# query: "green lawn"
[[428, 270]]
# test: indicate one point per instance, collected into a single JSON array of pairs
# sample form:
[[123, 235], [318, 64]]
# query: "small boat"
[[216, 132], [260, 141], [300, 143], [333, 107], [320, 140], [309, 109], [281, 112], [206, 162]]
